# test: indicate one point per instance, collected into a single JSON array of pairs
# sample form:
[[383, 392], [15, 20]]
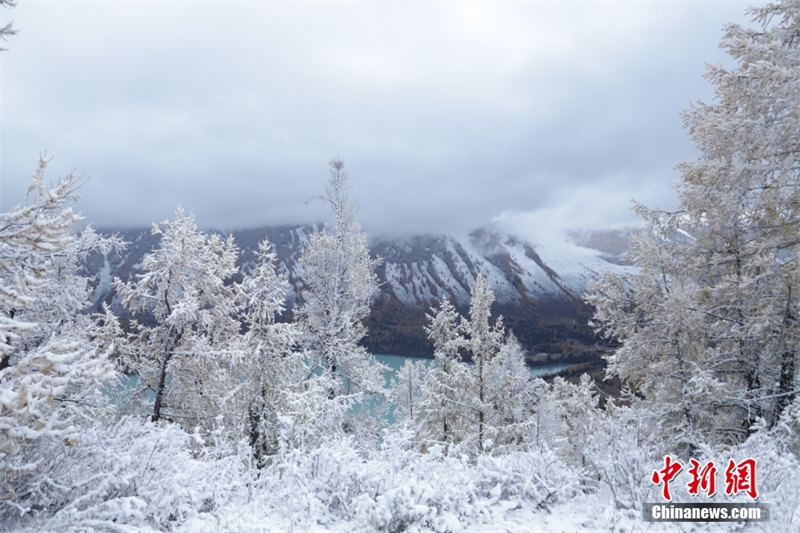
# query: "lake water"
[[121, 391], [394, 362]]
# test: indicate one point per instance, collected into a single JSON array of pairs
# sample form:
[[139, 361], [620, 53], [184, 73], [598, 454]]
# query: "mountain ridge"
[[538, 288]]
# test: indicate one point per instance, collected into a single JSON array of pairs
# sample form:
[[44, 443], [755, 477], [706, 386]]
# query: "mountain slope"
[[538, 288]]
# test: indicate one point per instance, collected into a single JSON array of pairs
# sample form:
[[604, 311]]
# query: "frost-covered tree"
[[271, 368], [742, 196], [406, 391], [574, 406], [664, 354], [51, 359], [339, 281], [723, 328], [509, 397], [186, 341], [480, 405], [30, 236], [443, 412], [484, 342], [622, 450]]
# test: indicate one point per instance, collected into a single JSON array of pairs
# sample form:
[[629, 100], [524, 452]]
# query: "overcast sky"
[[548, 116]]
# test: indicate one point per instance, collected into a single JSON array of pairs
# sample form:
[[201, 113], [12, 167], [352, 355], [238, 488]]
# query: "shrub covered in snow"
[[132, 473]]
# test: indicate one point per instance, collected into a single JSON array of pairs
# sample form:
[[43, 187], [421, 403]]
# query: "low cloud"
[[447, 115]]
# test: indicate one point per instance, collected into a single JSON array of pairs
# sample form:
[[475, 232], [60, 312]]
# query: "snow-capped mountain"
[[422, 270], [538, 288]]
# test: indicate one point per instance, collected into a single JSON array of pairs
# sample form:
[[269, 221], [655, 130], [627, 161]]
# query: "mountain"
[[538, 287]]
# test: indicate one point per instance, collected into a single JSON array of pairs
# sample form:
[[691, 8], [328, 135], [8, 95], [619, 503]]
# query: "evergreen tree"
[[742, 196], [663, 354], [406, 391], [484, 342], [479, 406], [339, 281], [709, 324], [510, 397], [188, 343], [51, 356], [272, 368], [443, 413]]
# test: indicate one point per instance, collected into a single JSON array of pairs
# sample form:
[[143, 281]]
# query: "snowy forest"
[[207, 411]]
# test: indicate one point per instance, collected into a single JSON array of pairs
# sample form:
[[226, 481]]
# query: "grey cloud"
[[447, 115]]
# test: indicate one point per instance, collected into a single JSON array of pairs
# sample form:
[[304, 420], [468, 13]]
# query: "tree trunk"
[[481, 394], [786, 385], [162, 381]]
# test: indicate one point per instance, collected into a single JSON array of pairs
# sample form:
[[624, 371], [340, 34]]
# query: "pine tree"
[[510, 397], [743, 199], [188, 342], [474, 407], [484, 343], [51, 359], [406, 391], [663, 354], [443, 411], [272, 368], [339, 282], [715, 305]]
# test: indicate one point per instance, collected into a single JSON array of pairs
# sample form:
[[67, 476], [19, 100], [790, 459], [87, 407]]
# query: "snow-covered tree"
[[575, 408], [473, 406], [51, 361], [663, 354], [406, 390], [483, 343], [443, 412], [510, 398], [723, 329], [30, 235], [622, 450], [339, 281], [186, 341], [742, 196], [272, 368]]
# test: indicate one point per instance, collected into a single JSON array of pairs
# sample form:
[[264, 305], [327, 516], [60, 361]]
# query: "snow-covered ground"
[[142, 477]]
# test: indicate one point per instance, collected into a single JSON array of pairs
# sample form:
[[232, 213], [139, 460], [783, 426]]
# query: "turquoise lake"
[[120, 392], [394, 362]]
